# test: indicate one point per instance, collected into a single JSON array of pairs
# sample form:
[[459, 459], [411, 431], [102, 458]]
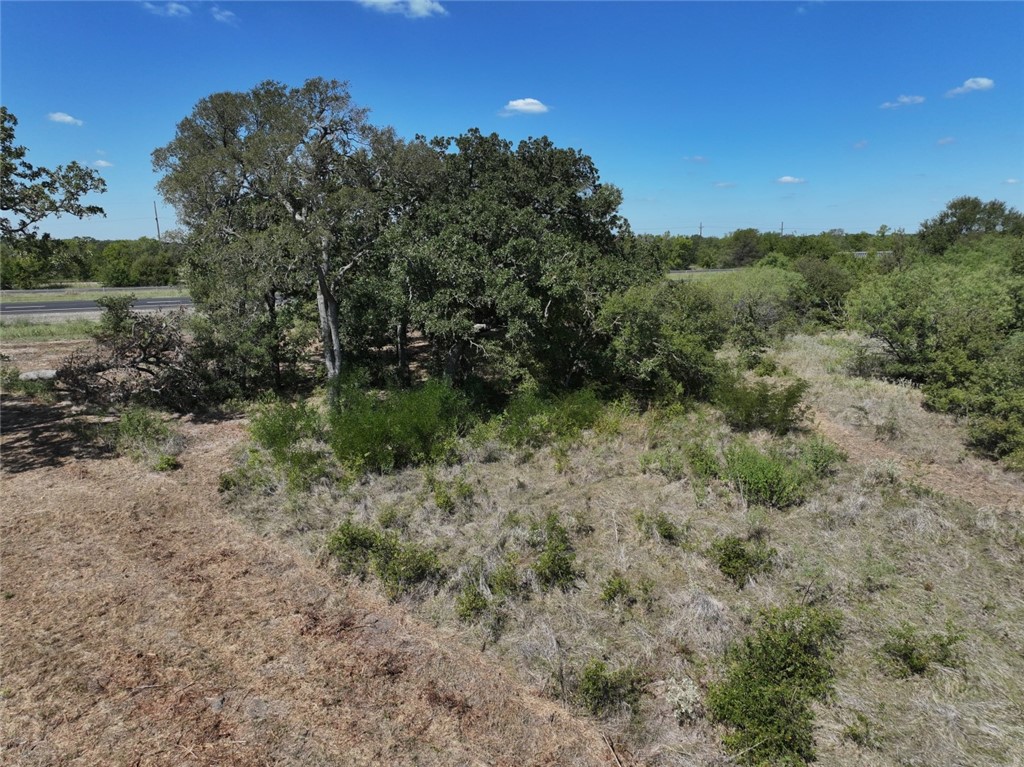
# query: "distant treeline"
[[114, 263]]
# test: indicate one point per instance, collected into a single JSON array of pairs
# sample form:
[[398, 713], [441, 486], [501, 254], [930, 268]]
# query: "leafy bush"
[[555, 566], [664, 337], [759, 405], [286, 431], [666, 461], [909, 652], [531, 420], [821, 456], [770, 681], [470, 602], [400, 566], [143, 435], [617, 588], [662, 528], [602, 691], [741, 560], [768, 478], [402, 428], [703, 460]]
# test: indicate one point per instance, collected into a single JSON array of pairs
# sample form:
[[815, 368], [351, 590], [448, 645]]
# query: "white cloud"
[[697, 158], [412, 9], [103, 164], [223, 15], [973, 84], [1012, 181], [790, 180], [171, 10], [861, 144], [945, 140], [524, 107], [64, 118], [724, 184], [903, 101]]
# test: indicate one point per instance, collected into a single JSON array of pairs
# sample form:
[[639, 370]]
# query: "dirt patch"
[[144, 626], [42, 355]]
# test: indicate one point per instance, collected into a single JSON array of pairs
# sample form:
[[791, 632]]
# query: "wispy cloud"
[[946, 140], [724, 184], [170, 10], [412, 9], [972, 84], [1012, 181], [903, 101], [524, 107], [223, 15], [790, 180], [862, 144], [64, 118], [697, 158], [103, 164]]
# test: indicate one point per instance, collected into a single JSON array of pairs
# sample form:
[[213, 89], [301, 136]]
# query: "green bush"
[[665, 461], [771, 679], [602, 691], [768, 478], [821, 456], [664, 337], [143, 436], [285, 430], [555, 566], [661, 527], [741, 560], [531, 420], [400, 566], [470, 603], [617, 588], [370, 433], [703, 461], [760, 405], [908, 652]]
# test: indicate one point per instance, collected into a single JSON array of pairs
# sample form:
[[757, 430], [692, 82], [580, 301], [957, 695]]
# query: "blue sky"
[[811, 115]]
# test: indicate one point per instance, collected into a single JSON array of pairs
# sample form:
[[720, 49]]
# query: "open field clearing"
[[14, 334]]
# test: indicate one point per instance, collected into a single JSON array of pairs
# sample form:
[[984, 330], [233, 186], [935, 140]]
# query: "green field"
[[86, 294]]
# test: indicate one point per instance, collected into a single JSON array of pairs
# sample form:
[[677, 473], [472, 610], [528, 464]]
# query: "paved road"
[[15, 310]]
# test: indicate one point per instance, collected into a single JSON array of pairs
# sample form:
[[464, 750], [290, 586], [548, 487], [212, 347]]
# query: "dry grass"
[[912, 528], [143, 627]]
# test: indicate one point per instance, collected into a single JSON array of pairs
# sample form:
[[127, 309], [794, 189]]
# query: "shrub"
[[470, 603], [766, 478], [664, 337], [143, 435], [821, 456], [666, 461], [402, 428], [662, 527], [741, 560], [618, 589], [531, 420], [400, 566], [602, 691], [909, 652], [285, 431], [759, 405], [770, 681], [703, 460], [556, 564]]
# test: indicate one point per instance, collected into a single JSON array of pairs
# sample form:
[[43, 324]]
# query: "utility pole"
[[782, 229], [157, 217]]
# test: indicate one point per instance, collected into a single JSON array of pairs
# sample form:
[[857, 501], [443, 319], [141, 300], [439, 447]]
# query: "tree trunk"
[[401, 347], [327, 305]]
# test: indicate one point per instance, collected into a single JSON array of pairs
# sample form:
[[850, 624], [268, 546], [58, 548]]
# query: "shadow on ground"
[[36, 435]]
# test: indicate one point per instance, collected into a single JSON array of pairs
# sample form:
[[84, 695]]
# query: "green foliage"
[[826, 285], [741, 560], [401, 428], [618, 589], [662, 528], [771, 679], [968, 218], [289, 433], [448, 496], [907, 652], [768, 478], [555, 566], [144, 436], [664, 337], [703, 460], [531, 420], [666, 461], [821, 456], [400, 566], [602, 691], [470, 603], [761, 405]]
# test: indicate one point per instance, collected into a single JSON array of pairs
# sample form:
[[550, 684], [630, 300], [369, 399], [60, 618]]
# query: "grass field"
[[86, 294], [12, 331]]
